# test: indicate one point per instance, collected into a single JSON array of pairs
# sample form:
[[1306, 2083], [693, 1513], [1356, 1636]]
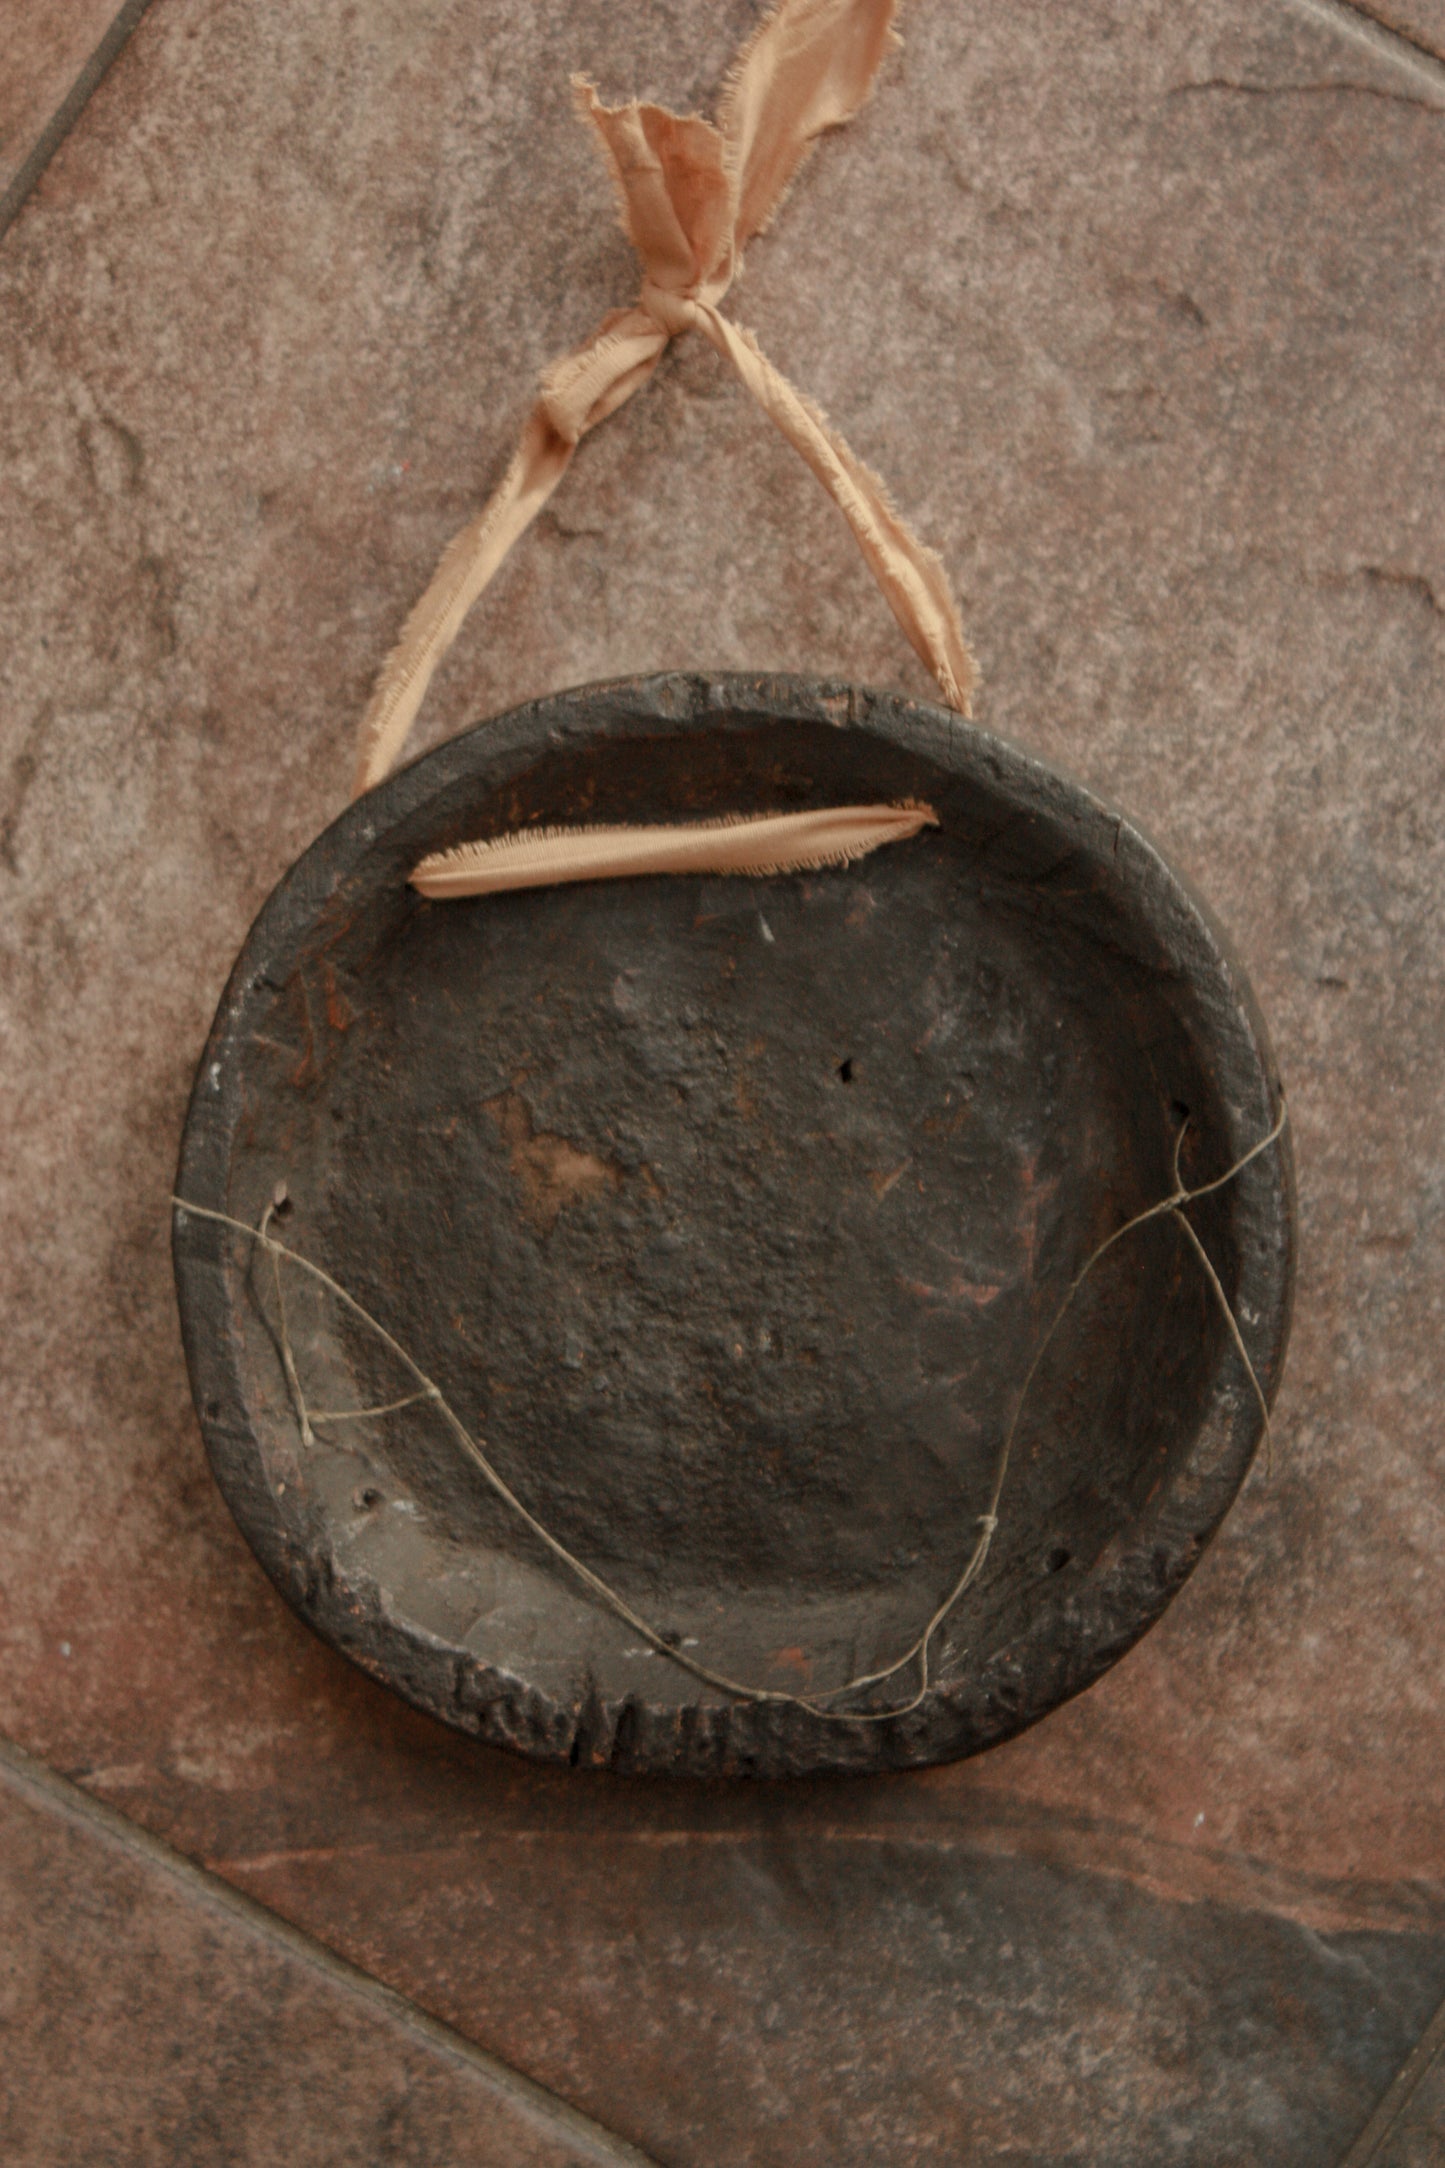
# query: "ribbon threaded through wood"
[[754, 844], [692, 194]]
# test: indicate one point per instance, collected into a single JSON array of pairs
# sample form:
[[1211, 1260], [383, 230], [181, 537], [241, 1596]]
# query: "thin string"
[[1172, 1207], [664, 1643], [357, 1415]]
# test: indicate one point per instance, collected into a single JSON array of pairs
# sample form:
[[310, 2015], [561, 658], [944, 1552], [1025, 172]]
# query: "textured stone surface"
[[44, 44], [1407, 2129], [1418, 2141], [1139, 308], [148, 2017], [964, 2008], [1421, 21]]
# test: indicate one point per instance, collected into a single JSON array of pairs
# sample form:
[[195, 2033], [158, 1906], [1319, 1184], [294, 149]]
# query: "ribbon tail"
[[911, 576], [578, 392], [808, 67], [468, 564]]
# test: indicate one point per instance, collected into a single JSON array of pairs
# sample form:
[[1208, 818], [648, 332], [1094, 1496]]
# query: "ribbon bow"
[[693, 194]]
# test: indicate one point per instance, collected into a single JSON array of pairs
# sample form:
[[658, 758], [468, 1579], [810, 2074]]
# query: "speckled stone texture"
[[44, 44], [150, 2020], [1407, 2130], [1422, 22], [1139, 308]]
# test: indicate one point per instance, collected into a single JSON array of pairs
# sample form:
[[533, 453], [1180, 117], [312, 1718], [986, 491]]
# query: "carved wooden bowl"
[[731, 1214]]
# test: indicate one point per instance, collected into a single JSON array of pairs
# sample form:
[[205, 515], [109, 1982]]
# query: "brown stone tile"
[[51, 52], [1407, 2129], [152, 2017], [1421, 21], [876, 1999], [43, 48], [1139, 310]]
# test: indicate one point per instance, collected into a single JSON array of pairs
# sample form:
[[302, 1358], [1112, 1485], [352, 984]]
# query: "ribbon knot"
[[692, 194], [672, 313]]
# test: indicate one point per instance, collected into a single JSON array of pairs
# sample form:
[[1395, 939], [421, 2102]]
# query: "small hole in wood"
[[1059, 1557], [845, 1070]]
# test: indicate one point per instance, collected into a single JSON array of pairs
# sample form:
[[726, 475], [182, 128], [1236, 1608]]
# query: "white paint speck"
[[1199, 1821], [65, 1648], [215, 1074], [765, 929]]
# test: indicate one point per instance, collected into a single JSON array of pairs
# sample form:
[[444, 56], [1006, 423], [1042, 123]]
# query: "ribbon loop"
[[691, 195], [676, 193]]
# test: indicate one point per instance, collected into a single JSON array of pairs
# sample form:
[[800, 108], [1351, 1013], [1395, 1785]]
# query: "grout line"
[[1389, 2117], [595, 2147], [1351, 21], [69, 110]]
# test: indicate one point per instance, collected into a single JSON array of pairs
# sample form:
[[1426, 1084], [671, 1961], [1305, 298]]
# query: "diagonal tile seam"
[[1395, 47], [69, 110], [1393, 2112], [55, 1795]]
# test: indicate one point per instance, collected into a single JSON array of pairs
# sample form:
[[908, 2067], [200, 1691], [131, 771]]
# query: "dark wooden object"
[[730, 1213]]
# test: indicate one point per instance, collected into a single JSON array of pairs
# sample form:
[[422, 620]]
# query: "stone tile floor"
[[148, 2014], [1140, 310], [42, 51]]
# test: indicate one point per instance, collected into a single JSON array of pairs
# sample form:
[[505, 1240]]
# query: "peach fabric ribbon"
[[693, 194], [754, 844]]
